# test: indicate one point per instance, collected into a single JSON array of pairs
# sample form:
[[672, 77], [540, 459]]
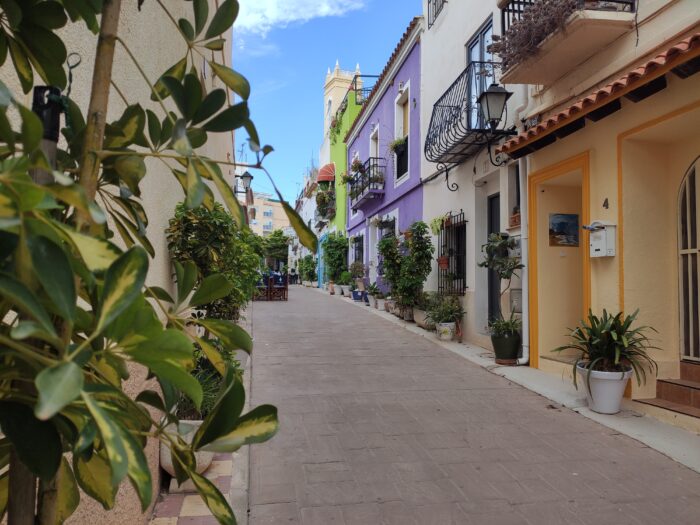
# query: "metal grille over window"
[[689, 253], [434, 9], [358, 248], [452, 255]]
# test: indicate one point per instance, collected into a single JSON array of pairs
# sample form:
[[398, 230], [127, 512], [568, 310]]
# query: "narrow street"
[[379, 426]]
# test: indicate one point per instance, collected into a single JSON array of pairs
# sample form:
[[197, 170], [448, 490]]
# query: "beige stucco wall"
[[279, 218], [157, 45], [653, 162]]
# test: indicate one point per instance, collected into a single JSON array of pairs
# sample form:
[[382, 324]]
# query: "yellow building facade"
[[615, 141], [267, 215]]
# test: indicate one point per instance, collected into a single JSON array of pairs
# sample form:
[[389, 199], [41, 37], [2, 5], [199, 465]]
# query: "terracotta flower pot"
[[443, 262]]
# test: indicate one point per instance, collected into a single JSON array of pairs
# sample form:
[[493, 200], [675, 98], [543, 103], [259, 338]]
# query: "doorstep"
[[635, 421]]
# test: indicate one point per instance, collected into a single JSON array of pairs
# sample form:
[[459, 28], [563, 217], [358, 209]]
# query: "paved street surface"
[[379, 426]]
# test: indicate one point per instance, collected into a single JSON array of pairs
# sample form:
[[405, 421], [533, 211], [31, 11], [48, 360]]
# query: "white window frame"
[[353, 213], [374, 142], [404, 96]]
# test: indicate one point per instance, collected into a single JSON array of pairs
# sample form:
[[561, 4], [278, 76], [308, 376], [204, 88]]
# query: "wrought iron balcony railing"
[[434, 10], [363, 85], [513, 10], [368, 182], [457, 128]]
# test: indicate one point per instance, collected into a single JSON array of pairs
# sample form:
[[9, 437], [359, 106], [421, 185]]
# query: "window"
[[374, 143], [452, 255], [689, 251], [402, 114], [434, 10], [477, 51], [268, 213], [267, 226], [358, 248]]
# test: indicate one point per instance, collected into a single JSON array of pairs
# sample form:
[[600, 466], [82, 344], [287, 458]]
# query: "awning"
[[682, 58], [327, 173]]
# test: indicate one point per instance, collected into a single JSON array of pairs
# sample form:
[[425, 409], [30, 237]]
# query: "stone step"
[[674, 407], [679, 391], [690, 371]]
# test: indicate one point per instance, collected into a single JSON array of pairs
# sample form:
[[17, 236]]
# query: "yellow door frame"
[[582, 162]]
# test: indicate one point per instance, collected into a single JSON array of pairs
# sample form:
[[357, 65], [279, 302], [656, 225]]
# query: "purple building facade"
[[384, 157]]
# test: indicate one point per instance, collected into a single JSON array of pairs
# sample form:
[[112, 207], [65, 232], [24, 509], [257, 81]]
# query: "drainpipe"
[[524, 167]]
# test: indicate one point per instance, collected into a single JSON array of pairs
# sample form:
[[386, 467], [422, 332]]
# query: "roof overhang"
[[683, 59]]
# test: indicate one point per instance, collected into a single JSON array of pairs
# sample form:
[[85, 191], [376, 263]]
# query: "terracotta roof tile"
[[397, 51], [615, 89]]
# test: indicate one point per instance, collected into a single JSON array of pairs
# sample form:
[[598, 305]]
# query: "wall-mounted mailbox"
[[603, 238]]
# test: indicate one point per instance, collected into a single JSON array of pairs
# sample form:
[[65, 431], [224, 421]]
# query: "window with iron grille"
[[452, 255], [385, 228], [434, 10], [358, 248]]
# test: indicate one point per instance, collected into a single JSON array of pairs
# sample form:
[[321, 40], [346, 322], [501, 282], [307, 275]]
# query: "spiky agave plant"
[[610, 344]]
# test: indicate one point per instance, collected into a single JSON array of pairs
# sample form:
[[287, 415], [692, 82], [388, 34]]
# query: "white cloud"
[[260, 16]]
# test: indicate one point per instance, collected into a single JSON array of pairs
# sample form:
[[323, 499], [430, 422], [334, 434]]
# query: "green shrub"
[[335, 255]]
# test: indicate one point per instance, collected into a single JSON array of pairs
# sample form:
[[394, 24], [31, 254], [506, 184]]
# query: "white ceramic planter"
[[606, 389], [445, 331], [187, 430], [419, 316], [314, 284], [379, 305]]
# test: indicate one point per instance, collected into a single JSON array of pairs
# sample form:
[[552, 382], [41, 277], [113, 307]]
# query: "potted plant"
[[335, 252], [190, 418], [344, 282], [397, 146], [446, 312], [610, 351], [357, 166], [436, 224], [415, 266], [373, 293], [505, 334], [420, 310], [357, 294]]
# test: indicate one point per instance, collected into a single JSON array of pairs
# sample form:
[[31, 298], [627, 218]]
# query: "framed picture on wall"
[[563, 230]]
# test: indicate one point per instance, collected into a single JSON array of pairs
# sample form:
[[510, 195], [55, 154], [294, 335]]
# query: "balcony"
[[540, 46], [368, 181], [434, 9], [325, 208], [457, 129]]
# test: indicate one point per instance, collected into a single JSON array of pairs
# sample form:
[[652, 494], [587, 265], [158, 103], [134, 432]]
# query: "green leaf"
[[232, 202], [49, 15], [306, 235], [97, 254], [229, 119], [4, 491], [195, 187], [151, 398], [212, 287], [58, 386], [154, 128], [209, 106], [94, 477], [12, 11], [213, 499], [68, 496], [22, 66], [138, 470], [111, 437], [169, 356], [37, 443], [130, 126], [186, 29], [213, 355], [257, 426], [160, 294], [193, 95], [223, 19], [216, 45], [123, 283], [234, 80], [230, 334], [224, 415], [186, 275], [201, 13], [177, 71], [53, 270], [32, 130], [22, 297], [26, 329], [131, 169], [181, 143], [177, 93]]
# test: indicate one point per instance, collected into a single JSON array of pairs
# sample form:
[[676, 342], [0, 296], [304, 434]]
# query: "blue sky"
[[284, 48]]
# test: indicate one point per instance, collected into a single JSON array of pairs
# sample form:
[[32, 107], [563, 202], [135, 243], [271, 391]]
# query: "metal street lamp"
[[493, 104], [246, 180]]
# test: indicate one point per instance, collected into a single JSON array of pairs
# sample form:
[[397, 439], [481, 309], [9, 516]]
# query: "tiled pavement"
[[379, 426]]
